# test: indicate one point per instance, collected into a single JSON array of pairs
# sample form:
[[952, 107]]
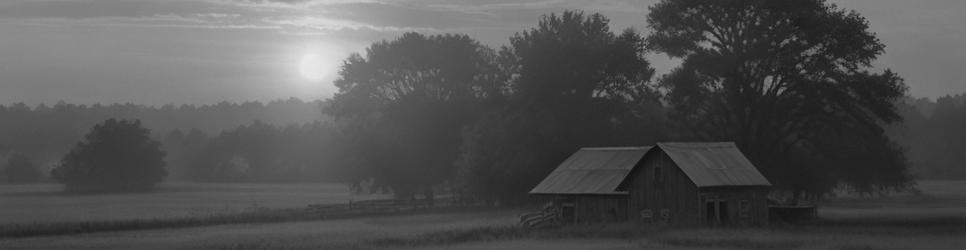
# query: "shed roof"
[[714, 164], [592, 171], [601, 170]]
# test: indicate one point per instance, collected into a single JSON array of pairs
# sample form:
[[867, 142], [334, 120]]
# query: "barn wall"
[[756, 212], [669, 196], [601, 208], [674, 195]]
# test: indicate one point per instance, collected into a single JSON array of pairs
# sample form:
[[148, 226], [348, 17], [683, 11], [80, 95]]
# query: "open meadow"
[[933, 219], [39, 203]]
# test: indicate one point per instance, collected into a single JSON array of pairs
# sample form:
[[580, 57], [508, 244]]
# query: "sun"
[[313, 67]]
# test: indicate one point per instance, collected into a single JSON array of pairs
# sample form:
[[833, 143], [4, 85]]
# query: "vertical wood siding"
[[757, 210], [601, 208], [674, 195], [682, 200]]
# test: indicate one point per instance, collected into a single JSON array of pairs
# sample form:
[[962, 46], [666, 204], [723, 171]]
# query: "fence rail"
[[549, 216]]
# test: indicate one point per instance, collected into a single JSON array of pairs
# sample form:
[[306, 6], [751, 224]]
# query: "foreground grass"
[[47, 203], [910, 233], [934, 220], [325, 234], [60, 228], [821, 235], [494, 230], [263, 215]]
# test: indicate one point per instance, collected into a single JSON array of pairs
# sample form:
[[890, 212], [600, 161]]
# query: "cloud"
[[194, 21], [96, 13], [313, 25]]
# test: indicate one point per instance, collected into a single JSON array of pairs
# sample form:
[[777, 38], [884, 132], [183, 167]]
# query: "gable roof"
[[601, 170], [714, 164], [592, 171]]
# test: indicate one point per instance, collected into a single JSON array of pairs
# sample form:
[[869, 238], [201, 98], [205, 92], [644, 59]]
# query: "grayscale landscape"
[[495, 124]]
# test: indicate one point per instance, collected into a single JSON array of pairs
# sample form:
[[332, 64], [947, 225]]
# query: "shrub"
[[21, 169], [116, 156]]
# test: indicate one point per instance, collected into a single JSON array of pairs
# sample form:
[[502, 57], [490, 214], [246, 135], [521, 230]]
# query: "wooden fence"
[[549, 216]]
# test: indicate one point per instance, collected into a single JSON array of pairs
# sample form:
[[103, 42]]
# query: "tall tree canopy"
[[576, 58], [116, 156], [407, 101], [789, 81], [576, 84]]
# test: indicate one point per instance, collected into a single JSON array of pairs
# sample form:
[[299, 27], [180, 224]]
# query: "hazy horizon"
[[205, 52]]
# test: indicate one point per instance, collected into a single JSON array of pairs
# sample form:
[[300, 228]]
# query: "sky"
[[207, 51]]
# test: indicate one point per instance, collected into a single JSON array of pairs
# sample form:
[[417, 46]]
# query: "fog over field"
[[429, 124]]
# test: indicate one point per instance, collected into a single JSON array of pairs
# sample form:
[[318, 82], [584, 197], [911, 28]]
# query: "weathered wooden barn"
[[677, 183]]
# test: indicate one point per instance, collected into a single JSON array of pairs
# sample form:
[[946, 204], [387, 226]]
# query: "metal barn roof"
[[714, 164], [592, 171], [601, 170]]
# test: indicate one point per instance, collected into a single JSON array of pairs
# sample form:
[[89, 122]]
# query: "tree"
[[592, 81], [405, 103], [937, 142], [577, 84], [116, 156], [791, 82], [21, 169]]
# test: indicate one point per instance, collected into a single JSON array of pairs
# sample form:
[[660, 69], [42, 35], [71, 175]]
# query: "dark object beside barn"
[[677, 183]]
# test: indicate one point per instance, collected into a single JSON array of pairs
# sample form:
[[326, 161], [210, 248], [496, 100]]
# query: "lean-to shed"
[[679, 183]]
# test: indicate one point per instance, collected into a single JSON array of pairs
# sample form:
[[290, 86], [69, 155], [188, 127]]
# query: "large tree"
[[791, 82], [405, 103], [116, 156], [577, 84]]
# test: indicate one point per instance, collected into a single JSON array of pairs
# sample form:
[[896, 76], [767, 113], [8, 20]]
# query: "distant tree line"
[[259, 152], [121, 155], [44, 133], [934, 136]]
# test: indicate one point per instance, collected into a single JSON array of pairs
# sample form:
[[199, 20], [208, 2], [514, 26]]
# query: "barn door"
[[723, 215], [716, 211]]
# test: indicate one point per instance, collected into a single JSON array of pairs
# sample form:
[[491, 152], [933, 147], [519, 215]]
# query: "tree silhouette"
[[591, 81], [116, 156], [406, 102], [21, 169], [790, 82], [578, 84]]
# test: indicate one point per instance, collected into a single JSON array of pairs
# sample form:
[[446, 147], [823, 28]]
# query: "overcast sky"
[[158, 52]]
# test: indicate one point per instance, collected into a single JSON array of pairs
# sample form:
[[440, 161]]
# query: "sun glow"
[[313, 67]]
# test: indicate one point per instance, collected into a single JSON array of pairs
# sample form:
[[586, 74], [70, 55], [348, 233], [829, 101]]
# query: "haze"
[[200, 52]]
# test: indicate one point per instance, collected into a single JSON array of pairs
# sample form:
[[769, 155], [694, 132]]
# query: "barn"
[[676, 183]]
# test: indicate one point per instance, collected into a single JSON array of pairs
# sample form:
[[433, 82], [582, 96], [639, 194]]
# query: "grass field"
[[47, 203], [934, 219]]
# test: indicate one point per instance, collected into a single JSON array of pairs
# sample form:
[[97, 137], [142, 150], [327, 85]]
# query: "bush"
[[21, 169], [116, 156]]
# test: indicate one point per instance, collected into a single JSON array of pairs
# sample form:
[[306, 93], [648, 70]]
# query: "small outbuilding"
[[677, 183]]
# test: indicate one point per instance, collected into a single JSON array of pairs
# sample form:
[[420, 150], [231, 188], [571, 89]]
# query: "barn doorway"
[[709, 217], [723, 212], [568, 210], [716, 212]]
